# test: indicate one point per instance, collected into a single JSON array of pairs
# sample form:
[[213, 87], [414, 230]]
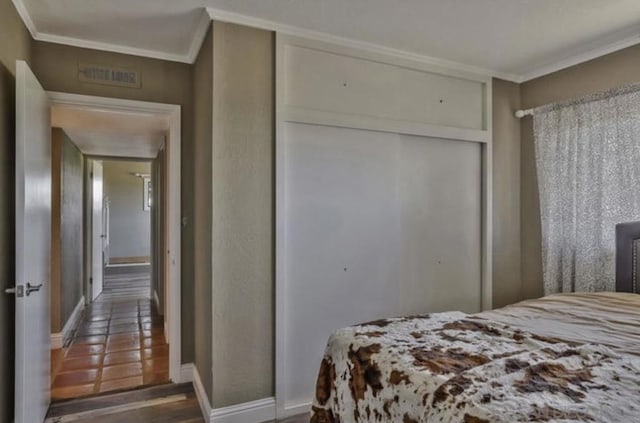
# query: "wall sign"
[[106, 75]]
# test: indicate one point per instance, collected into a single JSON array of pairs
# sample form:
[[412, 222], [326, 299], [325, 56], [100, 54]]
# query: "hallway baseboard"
[[186, 373], [201, 395], [58, 338], [259, 411]]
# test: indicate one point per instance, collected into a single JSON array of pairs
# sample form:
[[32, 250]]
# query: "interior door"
[[97, 229], [33, 248]]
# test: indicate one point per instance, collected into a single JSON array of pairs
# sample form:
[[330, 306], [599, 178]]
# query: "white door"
[[33, 247], [97, 262]]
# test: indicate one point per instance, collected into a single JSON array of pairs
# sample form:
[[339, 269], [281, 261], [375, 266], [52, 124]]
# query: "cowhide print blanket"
[[451, 367]]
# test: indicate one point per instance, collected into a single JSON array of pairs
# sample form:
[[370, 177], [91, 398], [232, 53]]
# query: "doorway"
[[124, 331]]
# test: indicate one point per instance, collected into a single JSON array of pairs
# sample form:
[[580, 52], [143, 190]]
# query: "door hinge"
[[90, 281]]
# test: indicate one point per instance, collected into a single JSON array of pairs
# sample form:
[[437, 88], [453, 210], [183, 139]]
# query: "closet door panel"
[[376, 225]]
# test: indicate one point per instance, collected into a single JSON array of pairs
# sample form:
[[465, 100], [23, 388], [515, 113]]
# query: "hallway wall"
[[129, 224], [203, 104], [56, 66], [243, 213], [66, 227], [15, 44]]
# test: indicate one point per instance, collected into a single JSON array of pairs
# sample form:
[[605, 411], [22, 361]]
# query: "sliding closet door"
[[377, 225]]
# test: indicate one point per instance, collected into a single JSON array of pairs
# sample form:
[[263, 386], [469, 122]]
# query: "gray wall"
[[203, 112], [129, 224], [507, 284], [14, 44], [56, 66], [610, 71], [158, 223], [67, 248], [243, 192]]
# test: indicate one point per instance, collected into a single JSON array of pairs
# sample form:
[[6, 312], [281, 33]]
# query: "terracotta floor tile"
[[153, 341], [77, 377], [153, 352], [56, 361], [123, 346], [121, 357], [96, 324], [124, 328], [154, 378], [120, 371], [92, 331], [98, 317], [119, 344], [155, 365], [124, 315], [124, 320], [84, 349], [128, 382], [123, 337], [95, 339], [81, 362], [72, 391]]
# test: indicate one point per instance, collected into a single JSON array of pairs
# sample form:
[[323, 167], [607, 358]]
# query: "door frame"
[[174, 227]]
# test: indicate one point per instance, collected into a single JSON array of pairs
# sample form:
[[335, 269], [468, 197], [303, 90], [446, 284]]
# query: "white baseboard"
[[58, 338], [259, 411], [156, 301], [201, 394], [186, 373], [296, 410]]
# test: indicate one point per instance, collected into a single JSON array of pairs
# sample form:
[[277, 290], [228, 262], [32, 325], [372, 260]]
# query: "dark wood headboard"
[[627, 252]]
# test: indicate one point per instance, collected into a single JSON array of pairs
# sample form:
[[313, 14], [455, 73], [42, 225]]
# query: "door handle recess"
[[33, 288]]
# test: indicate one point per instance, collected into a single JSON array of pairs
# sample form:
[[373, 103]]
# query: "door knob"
[[33, 288]]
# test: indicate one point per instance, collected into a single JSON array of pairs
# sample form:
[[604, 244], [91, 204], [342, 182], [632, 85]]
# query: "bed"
[[561, 358]]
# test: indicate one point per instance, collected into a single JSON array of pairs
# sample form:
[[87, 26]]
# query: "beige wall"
[[129, 223], [507, 286], [610, 71], [66, 228], [56, 66], [15, 43], [203, 115], [243, 192]]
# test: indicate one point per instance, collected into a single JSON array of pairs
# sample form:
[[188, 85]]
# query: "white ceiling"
[[515, 39], [112, 134]]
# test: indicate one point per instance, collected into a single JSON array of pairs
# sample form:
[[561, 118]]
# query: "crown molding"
[[189, 57], [25, 16], [236, 18], [198, 37], [619, 41], [114, 48]]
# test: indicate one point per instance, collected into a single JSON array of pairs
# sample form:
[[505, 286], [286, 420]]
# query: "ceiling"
[[110, 133], [514, 39]]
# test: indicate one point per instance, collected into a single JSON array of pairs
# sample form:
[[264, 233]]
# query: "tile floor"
[[119, 344]]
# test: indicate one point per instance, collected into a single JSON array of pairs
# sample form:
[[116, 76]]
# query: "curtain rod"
[[522, 113], [601, 95]]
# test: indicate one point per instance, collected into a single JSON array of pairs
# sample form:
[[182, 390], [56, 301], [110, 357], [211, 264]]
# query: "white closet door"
[[376, 225]]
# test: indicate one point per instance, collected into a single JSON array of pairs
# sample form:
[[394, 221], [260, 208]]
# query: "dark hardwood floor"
[[175, 403]]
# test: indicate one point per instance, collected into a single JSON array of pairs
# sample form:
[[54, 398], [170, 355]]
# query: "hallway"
[[118, 344]]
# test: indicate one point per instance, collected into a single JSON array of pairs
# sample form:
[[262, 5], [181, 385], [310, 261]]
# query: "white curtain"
[[588, 162]]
